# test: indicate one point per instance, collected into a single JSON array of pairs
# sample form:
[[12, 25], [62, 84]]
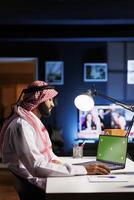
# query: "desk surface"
[[77, 186]]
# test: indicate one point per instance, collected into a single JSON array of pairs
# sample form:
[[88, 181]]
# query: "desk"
[[79, 187]]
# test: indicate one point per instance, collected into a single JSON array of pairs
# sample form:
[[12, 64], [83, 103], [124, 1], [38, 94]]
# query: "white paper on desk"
[[108, 178]]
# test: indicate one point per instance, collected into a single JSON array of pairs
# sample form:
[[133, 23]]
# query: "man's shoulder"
[[18, 122]]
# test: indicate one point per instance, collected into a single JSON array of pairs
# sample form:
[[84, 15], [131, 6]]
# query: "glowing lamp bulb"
[[84, 102]]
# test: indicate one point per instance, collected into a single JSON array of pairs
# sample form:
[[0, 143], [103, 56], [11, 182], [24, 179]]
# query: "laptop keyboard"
[[109, 165], [113, 166]]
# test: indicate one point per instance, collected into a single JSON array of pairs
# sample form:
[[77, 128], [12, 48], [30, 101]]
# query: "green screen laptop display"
[[112, 149]]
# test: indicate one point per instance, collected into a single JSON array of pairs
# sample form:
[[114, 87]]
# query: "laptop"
[[111, 151]]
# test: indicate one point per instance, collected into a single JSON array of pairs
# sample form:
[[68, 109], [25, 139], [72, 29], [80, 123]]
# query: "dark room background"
[[73, 32]]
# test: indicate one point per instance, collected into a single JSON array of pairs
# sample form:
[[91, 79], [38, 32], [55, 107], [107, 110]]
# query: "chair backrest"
[[26, 190]]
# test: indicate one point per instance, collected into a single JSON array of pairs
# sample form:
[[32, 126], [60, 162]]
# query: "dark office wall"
[[74, 55], [74, 32]]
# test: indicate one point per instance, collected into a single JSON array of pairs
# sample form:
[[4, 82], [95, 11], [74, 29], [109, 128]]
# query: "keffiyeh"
[[29, 102], [33, 99]]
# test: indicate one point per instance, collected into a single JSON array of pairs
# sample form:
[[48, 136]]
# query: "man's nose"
[[52, 104]]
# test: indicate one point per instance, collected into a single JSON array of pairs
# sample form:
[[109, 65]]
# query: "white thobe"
[[23, 154]]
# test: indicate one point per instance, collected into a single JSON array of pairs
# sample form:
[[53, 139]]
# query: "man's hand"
[[97, 169], [56, 161]]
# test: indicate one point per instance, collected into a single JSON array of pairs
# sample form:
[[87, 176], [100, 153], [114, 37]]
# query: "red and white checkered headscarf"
[[31, 100]]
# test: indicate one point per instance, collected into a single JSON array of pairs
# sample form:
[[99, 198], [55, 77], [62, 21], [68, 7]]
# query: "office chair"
[[26, 190]]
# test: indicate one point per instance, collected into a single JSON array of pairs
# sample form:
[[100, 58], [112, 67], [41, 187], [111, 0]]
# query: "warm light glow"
[[84, 102]]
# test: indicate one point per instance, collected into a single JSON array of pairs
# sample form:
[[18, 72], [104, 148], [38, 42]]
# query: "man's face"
[[46, 107]]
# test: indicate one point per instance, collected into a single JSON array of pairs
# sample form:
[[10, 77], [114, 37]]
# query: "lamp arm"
[[131, 108], [93, 92]]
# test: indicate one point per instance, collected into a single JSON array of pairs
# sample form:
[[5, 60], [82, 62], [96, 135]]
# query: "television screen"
[[92, 124]]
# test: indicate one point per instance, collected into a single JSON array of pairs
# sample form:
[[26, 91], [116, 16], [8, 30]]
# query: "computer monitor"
[[92, 124]]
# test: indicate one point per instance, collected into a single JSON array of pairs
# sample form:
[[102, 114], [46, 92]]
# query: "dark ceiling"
[[66, 11], [66, 18]]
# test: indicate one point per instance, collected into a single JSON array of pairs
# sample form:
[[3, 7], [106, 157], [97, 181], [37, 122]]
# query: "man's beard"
[[44, 110]]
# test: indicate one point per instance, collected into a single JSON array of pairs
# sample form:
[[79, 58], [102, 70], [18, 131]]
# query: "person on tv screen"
[[118, 120], [101, 115], [105, 118], [91, 121], [25, 142]]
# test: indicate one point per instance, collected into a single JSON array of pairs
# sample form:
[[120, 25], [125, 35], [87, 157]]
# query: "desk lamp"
[[85, 102]]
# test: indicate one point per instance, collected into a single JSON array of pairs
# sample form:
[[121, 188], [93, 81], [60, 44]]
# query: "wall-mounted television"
[[93, 123]]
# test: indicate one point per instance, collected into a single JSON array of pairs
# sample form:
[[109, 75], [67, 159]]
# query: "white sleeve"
[[23, 140]]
